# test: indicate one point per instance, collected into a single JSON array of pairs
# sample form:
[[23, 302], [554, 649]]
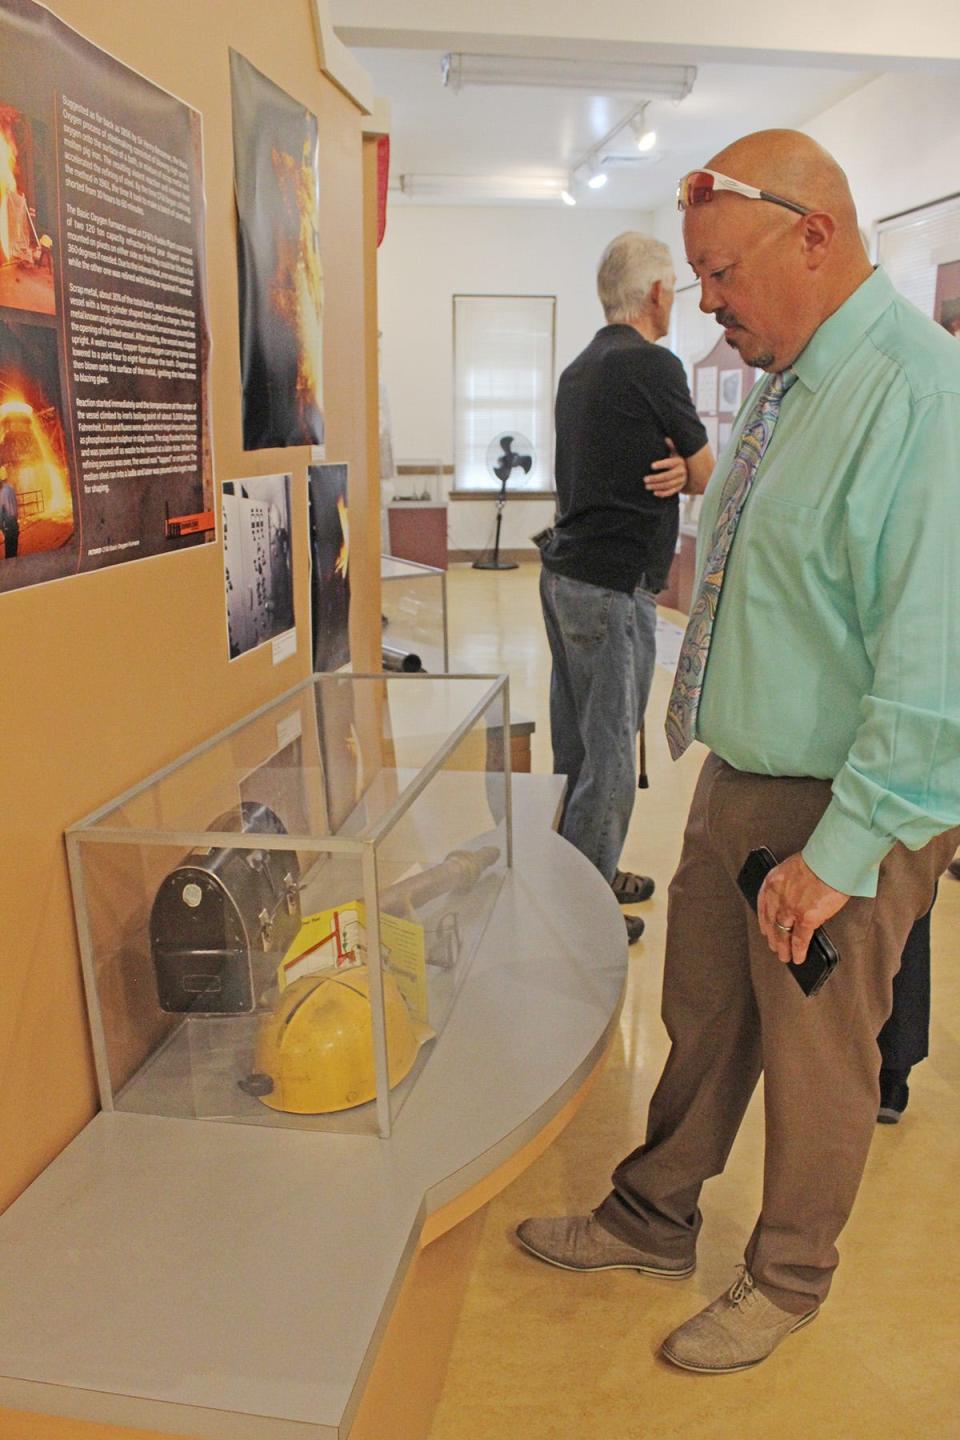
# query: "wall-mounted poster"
[[330, 557], [946, 305], [104, 433], [277, 182], [257, 562]]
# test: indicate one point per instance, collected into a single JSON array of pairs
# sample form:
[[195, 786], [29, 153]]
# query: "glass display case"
[[413, 601], [274, 928]]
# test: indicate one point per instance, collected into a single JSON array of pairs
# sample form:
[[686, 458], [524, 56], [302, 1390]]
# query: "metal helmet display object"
[[314, 1052]]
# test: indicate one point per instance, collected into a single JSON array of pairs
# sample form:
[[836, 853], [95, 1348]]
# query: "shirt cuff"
[[844, 853]]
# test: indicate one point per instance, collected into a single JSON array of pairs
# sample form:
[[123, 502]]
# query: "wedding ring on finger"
[[784, 929]]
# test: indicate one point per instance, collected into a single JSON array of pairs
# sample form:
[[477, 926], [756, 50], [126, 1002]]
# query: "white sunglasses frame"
[[750, 192]]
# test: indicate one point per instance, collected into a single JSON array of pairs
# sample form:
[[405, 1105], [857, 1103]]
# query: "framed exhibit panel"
[[274, 929], [692, 334], [105, 443]]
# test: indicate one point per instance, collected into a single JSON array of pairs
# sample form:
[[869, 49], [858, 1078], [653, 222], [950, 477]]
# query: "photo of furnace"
[[26, 247]]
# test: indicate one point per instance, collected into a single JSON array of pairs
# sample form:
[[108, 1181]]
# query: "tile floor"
[[542, 1354]]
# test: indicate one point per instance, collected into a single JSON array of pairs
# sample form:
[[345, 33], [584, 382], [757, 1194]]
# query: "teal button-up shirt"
[[836, 648]]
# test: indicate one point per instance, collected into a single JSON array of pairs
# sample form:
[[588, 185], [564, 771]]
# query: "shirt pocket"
[[780, 549], [776, 510]]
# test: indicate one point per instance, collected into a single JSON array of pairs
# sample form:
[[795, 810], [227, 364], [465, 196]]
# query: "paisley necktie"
[[692, 664]]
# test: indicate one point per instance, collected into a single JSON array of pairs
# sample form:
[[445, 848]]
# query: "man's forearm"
[[699, 469]]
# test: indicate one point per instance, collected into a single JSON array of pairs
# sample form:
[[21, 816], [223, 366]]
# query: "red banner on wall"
[[383, 176]]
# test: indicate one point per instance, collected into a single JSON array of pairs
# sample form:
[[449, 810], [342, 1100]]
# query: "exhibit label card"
[[104, 429]]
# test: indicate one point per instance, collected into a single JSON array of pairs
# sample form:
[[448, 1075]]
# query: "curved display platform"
[[213, 1280]]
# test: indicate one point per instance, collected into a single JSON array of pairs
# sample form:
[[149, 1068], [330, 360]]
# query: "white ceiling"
[[516, 132]]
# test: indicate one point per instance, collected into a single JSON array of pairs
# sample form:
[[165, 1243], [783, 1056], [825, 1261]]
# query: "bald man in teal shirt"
[[827, 688]]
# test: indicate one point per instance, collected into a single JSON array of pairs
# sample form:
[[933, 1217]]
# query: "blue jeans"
[[603, 644]]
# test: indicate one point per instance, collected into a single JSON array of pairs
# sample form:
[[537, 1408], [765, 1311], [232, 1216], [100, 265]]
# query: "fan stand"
[[496, 563]]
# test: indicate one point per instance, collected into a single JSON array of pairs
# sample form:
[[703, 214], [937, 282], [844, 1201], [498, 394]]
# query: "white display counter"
[[218, 1280]]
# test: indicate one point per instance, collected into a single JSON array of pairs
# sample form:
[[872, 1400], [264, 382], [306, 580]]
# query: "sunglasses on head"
[[700, 187]]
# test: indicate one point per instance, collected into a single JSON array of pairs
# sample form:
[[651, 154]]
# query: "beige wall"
[[110, 675]]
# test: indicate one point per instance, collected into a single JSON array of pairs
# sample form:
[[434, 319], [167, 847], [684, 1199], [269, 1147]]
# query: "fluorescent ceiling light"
[[482, 187], [601, 77]]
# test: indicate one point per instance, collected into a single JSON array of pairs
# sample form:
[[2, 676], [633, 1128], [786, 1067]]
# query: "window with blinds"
[[912, 247], [503, 384]]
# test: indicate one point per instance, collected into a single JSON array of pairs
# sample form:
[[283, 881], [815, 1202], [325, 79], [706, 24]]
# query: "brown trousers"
[[732, 1010]]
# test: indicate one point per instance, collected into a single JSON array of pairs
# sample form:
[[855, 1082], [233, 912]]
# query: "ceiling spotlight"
[[568, 197], [645, 135], [597, 178]]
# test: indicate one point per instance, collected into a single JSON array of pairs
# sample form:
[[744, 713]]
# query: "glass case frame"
[[424, 636], [358, 837]]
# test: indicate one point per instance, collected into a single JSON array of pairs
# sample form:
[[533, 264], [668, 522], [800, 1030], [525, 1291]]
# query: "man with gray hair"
[[628, 442]]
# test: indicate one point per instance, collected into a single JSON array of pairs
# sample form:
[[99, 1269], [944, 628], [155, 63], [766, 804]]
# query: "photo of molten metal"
[[36, 501], [26, 249]]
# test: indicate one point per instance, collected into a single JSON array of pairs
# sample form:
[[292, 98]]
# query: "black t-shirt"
[[616, 405]]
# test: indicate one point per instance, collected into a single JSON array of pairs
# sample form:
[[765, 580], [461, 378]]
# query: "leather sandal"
[[631, 889], [635, 927]]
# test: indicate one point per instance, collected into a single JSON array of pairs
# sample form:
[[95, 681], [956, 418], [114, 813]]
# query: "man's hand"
[[670, 475], [791, 904]]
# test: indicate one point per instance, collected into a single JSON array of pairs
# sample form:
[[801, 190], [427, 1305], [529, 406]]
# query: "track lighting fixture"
[[645, 135]]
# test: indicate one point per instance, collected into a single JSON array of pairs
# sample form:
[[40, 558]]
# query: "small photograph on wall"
[[330, 559], [731, 390], [277, 184], [36, 493], [257, 561], [946, 305], [27, 212]]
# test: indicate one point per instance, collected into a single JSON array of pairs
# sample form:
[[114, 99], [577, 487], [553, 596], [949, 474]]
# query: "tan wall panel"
[[110, 675]]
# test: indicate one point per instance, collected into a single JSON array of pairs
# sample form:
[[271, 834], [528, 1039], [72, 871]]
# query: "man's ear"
[[656, 290], [819, 228]]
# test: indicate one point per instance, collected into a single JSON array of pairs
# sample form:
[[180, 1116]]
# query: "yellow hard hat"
[[314, 1052]]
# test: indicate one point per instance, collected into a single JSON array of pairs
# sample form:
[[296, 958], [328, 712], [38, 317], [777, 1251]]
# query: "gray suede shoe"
[[579, 1242], [740, 1329]]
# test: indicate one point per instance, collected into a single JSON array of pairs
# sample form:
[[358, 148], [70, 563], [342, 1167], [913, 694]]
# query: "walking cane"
[[643, 783]]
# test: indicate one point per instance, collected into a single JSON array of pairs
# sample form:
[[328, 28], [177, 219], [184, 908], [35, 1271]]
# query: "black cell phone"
[[822, 958]]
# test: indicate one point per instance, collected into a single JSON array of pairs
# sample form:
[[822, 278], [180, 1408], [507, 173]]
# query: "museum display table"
[[234, 1282]]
